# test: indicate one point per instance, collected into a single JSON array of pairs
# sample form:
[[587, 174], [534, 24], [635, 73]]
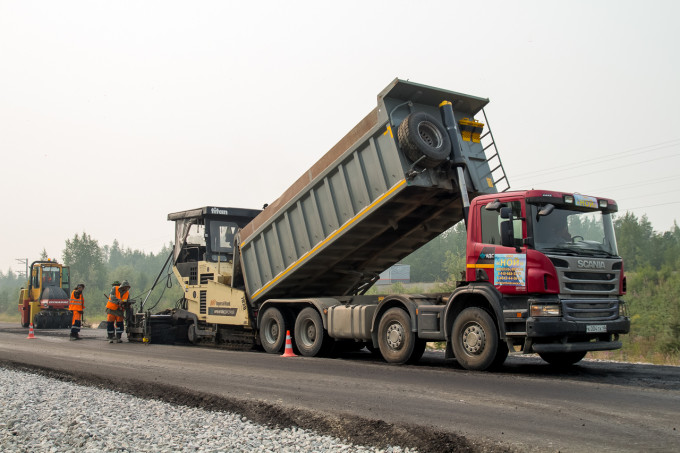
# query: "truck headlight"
[[623, 309], [545, 310]]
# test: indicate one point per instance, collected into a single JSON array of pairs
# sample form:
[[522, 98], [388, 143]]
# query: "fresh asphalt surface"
[[526, 406]]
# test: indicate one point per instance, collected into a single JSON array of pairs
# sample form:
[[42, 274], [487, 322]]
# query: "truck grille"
[[590, 282], [587, 283], [590, 310]]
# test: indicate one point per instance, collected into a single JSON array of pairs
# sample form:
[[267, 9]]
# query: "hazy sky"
[[115, 113]]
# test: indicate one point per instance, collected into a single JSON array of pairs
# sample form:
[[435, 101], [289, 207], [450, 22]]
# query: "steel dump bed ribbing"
[[363, 206]]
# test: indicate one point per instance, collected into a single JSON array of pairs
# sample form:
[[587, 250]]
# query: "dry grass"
[[623, 355], [9, 317], [637, 349]]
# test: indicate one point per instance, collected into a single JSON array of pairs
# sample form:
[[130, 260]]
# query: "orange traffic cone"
[[30, 332], [288, 352]]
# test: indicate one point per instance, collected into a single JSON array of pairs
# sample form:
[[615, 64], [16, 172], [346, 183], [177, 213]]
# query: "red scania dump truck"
[[542, 270]]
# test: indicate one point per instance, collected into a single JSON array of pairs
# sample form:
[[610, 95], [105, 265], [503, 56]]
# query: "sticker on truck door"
[[510, 269]]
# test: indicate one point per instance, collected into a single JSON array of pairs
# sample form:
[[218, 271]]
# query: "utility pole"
[[23, 261]]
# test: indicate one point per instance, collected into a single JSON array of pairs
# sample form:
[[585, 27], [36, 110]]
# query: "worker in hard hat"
[[77, 306], [115, 310]]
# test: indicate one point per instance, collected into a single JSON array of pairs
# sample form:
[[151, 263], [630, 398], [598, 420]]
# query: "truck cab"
[[552, 261]]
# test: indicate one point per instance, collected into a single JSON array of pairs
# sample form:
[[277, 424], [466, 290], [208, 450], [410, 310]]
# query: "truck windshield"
[[573, 232]]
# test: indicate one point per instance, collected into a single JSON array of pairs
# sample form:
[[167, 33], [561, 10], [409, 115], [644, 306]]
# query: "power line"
[[636, 196], [641, 183], [600, 171], [600, 159], [653, 205]]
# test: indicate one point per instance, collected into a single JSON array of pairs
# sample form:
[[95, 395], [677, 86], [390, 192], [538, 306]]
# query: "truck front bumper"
[[548, 334]]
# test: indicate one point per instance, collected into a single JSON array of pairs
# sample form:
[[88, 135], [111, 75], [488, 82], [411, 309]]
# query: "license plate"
[[596, 328]]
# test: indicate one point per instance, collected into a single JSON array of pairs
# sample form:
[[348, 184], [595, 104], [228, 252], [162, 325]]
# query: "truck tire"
[[475, 339], [50, 320], [191, 333], [562, 359], [422, 136], [418, 350], [501, 355], [310, 337], [395, 337], [272, 331]]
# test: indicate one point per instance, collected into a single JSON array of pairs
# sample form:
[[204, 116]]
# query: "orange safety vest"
[[76, 303], [115, 298]]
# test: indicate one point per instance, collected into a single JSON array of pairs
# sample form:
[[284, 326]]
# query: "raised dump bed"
[[388, 187]]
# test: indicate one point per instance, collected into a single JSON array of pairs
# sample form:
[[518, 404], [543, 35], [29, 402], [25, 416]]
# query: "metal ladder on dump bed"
[[493, 160]]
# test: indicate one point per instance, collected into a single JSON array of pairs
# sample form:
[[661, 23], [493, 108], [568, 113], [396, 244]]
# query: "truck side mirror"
[[507, 231], [547, 209], [495, 205], [507, 234]]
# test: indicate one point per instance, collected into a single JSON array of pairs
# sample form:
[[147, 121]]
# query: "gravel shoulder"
[[55, 415], [85, 412]]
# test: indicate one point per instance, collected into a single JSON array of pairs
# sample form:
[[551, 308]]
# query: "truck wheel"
[[475, 339], [562, 358], [272, 331], [310, 336], [395, 337], [191, 333], [501, 355], [418, 351], [421, 136]]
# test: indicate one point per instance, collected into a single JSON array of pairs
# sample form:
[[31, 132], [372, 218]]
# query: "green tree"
[[439, 258], [10, 283], [634, 238], [456, 251], [115, 255], [86, 260]]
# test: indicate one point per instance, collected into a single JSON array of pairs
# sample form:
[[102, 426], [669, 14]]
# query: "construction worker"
[[115, 310], [77, 306]]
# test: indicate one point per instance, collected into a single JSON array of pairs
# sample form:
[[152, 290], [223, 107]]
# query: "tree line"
[[98, 267]]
